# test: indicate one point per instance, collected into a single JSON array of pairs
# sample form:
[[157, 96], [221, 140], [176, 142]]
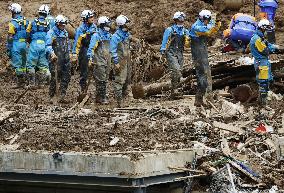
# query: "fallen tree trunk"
[[224, 73], [157, 88]]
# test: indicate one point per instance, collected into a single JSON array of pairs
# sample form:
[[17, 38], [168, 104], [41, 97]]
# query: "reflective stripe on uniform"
[[211, 32], [40, 42], [79, 43], [260, 45], [11, 29], [29, 28], [21, 70]]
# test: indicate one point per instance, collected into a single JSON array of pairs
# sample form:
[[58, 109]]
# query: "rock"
[[114, 141]]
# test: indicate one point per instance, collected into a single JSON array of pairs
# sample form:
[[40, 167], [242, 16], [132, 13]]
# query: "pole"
[[254, 11]]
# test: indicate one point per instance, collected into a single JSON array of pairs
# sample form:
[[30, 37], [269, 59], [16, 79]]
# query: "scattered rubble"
[[232, 146], [233, 155]]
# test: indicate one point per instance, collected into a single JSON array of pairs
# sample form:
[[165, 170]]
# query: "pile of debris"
[[242, 144], [228, 70]]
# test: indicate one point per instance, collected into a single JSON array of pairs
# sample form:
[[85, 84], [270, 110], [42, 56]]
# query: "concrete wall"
[[91, 164]]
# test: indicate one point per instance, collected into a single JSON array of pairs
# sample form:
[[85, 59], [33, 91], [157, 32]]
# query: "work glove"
[[117, 68], [277, 47], [53, 57], [218, 24], [187, 41], [90, 63], [74, 58], [162, 56]]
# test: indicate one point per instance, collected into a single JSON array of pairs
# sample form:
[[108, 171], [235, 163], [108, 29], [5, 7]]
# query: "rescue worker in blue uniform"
[[37, 60], [16, 43], [81, 44], [120, 53], [59, 49], [260, 49], [51, 20], [268, 11], [205, 26], [239, 33], [99, 56], [174, 40]]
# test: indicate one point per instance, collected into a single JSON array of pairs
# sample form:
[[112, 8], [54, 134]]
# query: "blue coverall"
[[199, 33], [260, 49], [174, 40], [37, 31], [57, 42], [120, 53], [242, 28], [269, 7], [99, 53], [81, 44], [16, 45]]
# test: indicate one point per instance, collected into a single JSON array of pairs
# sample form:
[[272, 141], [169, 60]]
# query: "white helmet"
[[44, 9], [264, 24], [86, 14], [103, 20], [60, 19], [179, 16], [205, 14], [15, 8], [121, 20]]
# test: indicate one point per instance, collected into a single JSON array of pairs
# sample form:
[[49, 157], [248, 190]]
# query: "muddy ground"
[[156, 123]]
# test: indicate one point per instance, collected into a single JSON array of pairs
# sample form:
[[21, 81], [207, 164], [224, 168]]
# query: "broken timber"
[[224, 73]]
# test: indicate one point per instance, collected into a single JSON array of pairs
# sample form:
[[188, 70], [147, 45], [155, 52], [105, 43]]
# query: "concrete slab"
[[81, 164]]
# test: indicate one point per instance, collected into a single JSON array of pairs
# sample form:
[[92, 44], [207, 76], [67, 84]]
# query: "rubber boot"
[[51, 100], [21, 82], [84, 89], [103, 95], [31, 80], [38, 80], [263, 99], [118, 97], [118, 103], [210, 97], [99, 97], [263, 89], [125, 91], [45, 78], [198, 100], [62, 99]]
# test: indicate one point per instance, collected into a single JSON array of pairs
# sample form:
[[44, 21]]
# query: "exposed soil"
[[145, 124]]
